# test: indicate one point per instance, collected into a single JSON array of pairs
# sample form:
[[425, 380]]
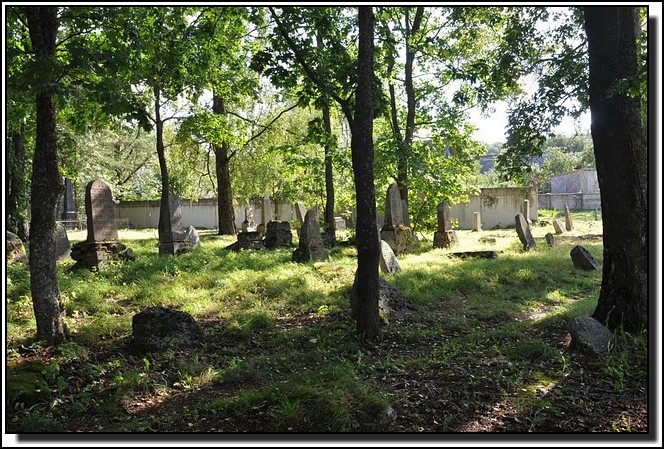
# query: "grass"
[[281, 353]]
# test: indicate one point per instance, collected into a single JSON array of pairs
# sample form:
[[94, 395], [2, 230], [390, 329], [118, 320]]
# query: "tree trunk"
[[330, 229], [368, 324], [16, 188], [622, 166], [164, 228], [46, 188], [222, 164]]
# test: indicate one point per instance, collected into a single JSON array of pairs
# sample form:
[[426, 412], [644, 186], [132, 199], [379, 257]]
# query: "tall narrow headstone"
[[404, 212], [100, 210], [444, 237], [300, 212], [526, 212], [68, 207], [248, 225], [310, 246], [172, 239], [569, 224], [393, 212], [477, 222], [523, 231], [266, 215]]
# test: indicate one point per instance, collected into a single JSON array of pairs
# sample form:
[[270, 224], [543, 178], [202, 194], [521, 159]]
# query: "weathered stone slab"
[[100, 210], [62, 246], [476, 254], [583, 260], [589, 335], [388, 260], [278, 235], [569, 224], [15, 250], [248, 225], [444, 217], [477, 221], [300, 212], [392, 304], [310, 247], [558, 226], [523, 230], [550, 239], [400, 239], [393, 212], [159, 329], [445, 239]]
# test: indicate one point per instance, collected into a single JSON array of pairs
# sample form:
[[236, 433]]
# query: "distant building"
[[582, 180]]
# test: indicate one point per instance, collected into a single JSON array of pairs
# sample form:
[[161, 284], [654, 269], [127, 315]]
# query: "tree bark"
[[164, 227], [622, 166], [368, 324], [222, 164], [46, 187]]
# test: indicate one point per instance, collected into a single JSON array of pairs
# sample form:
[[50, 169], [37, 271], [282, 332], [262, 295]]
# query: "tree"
[[362, 151], [622, 165], [47, 183]]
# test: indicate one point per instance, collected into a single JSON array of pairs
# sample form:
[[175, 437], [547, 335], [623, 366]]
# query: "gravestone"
[[524, 233], [391, 301], [15, 250], [100, 210], [477, 222], [248, 240], [300, 212], [582, 259], [173, 240], [278, 234], [558, 226], [266, 215], [404, 211], [102, 242], [569, 224], [550, 239], [339, 223], [394, 231], [68, 206], [589, 336], [160, 329], [444, 237], [62, 246], [526, 212], [388, 260], [248, 225], [310, 246]]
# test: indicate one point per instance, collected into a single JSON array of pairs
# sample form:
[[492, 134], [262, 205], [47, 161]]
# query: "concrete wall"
[[497, 207], [573, 200], [583, 180], [201, 214]]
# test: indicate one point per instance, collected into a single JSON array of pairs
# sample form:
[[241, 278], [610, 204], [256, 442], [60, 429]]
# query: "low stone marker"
[[589, 335], [523, 230], [477, 221], [550, 239], [310, 246], [248, 225], [558, 226], [388, 261], [392, 304], [583, 260], [159, 328], [278, 235], [15, 250], [444, 237], [475, 254]]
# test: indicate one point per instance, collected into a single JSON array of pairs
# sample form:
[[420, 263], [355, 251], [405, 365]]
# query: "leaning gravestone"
[[394, 232], [558, 226], [569, 224], [310, 246], [62, 246], [523, 230], [444, 237], [102, 242], [583, 260], [388, 261], [159, 329], [15, 250]]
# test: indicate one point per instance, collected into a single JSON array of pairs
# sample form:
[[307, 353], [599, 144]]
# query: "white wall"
[[497, 207]]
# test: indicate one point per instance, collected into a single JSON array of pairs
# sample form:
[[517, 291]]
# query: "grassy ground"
[[483, 351]]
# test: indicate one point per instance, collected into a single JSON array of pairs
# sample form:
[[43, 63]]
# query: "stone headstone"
[[582, 259], [393, 212], [445, 239], [248, 240], [444, 218], [68, 206], [404, 210], [523, 230], [100, 210], [550, 239], [300, 212], [339, 223], [175, 212], [526, 212], [477, 222], [569, 224], [388, 261], [589, 335], [558, 226], [266, 210], [248, 225], [15, 250], [400, 239], [278, 234], [310, 246], [159, 329], [62, 246], [191, 238]]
